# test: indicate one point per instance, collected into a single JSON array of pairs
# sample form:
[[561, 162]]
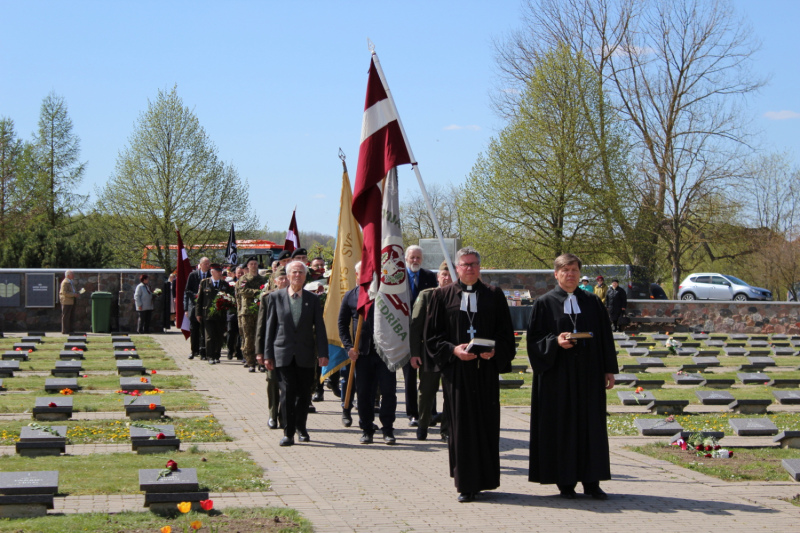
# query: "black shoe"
[[230, 356], [596, 493], [319, 396], [435, 419], [272, 424], [244, 363], [287, 441], [366, 438], [303, 435], [347, 419], [192, 356], [252, 370], [412, 422], [312, 409], [466, 497], [568, 494], [203, 358], [262, 368], [422, 433], [388, 436], [445, 437]]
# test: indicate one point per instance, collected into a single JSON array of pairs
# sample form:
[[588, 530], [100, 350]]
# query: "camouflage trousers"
[[247, 332]]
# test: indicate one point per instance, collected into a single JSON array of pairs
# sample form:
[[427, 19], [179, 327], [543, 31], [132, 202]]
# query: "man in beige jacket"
[[67, 296]]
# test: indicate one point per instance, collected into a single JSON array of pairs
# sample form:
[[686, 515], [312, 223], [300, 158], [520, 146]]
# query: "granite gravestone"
[[719, 383], [657, 427], [714, 397], [746, 427], [761, 361], [69, 355], [162, 494], [27, 494], [788, 439], [787, 397], [784, 383], [649, 362], [67, 369], [130, 367], [16, 355], [58, 384], [636, 398], [134, 383], [715, 343], [79, 345], [143, 407], [750, 407], [53, 409], [122, 354], [793, 467], [752, 378], [39, 442], [24, 346], [624, 379], [7, 368], [667, 407], [705, 361], [160, 440], [736, 352], [688, 379]]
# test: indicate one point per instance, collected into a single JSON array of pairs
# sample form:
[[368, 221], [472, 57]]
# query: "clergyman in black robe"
[[569, 439], [470, 381]]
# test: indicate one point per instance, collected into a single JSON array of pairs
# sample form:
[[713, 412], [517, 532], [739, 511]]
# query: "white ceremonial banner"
[[392, 311]]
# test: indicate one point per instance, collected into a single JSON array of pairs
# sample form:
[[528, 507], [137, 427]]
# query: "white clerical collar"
[[469, 300], [570, 305]]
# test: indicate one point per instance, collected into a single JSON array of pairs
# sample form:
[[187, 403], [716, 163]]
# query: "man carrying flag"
[[184, 268], [292, 241]]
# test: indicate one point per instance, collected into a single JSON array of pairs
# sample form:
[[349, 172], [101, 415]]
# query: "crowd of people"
[[461, 335]]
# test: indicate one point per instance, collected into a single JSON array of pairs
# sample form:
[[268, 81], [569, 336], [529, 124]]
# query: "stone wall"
[[120, 283]]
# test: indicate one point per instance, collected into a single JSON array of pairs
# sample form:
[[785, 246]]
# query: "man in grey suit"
[[296, 342]]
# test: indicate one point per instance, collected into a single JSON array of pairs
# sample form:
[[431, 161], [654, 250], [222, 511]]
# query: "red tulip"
[[172, 465], [160, 436], [707, 455], [698, 447], [152, 407], [153, 372], [18, 349], [52, 404], [730, 453], [207, 505]]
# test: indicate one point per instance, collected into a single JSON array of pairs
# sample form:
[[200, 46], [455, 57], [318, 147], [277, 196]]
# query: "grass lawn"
[[90, 403], [267, 520], [762, 464], [622, 424], [189, 430], [118, 473]]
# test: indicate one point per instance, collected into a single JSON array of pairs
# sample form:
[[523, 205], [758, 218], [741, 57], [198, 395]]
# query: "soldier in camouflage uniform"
[[212, 320], [247, 289], [273, 394]]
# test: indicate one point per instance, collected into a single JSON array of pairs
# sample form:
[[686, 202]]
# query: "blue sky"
[[279, 86]]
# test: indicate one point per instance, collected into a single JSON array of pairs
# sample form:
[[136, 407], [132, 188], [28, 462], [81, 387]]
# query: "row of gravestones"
[[40, 440], [31, 493], [711, 337], [744, 406], [704, 380]]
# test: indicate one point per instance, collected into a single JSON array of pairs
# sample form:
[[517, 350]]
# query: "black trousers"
[[196, 335], [144, 321], [294, 383], [371, 373], [233, 337], [215, 336], [410, 378]]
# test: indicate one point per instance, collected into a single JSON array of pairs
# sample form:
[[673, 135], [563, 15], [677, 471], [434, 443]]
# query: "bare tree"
[[416, 220]]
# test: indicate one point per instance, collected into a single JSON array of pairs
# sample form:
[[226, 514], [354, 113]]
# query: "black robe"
[[471, 389], [569, 439]]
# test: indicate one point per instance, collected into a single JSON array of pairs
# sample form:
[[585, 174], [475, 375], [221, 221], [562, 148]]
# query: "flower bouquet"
[[223, 302]]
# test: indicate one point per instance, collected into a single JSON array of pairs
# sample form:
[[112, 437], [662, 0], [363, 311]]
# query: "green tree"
[[170, 175], [56, 167], [12, 191], [549, 181]]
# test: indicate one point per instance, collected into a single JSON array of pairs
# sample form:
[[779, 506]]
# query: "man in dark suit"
[[419, 279], [273, 393], [208, 313], [296, 343], [371, 371], [189, 295]]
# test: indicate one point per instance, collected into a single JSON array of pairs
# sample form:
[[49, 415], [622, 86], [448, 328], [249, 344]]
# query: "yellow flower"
[[185, 507], [197, 524], [166, 529]]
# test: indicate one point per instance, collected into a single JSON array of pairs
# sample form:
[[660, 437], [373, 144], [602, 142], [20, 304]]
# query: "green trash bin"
[[101, 312]]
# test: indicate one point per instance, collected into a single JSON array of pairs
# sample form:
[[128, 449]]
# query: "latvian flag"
[[184, 268], [382, 148]]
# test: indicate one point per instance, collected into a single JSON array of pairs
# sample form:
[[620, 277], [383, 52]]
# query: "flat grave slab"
[[700, 336], [15, 356], [759, 343], [32, 340], [624, 379], [784, 383], [790, 397], [132, 367], [634, 352], [77, 338], [719, 383], [750, 407], [755, 427], [120, 338], [715, 343], [748, 368], [135, 383], [66, 369], [705, 362], [691, 344], [68, 355], [24, 346], [782, 344], [79, 345], [7, 368], [38, 443], [788, 439], [793, 467], [719, 435], [736, 352], [626, 344], [680, 336], [122, 354], [633, 368], [708, 397], [779, 337], [659, 353], [620, 337], [688, 379], [511, 383], [632, 398], [143, 407], [120, 346], [760, 352], [659, 337], [27, 494], [784, 351], [57, 384], [761, 361], [37, 334], [145, 441], [181, 480], [657, 427], [686, 352], [649, 362], [739, 336], [691, 369], [795, 342], [649, 383], [61, 408], [645, 344], [708, 353], [667, 407], [752, 378]]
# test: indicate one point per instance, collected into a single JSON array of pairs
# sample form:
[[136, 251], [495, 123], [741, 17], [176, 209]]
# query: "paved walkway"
[[341, 485]]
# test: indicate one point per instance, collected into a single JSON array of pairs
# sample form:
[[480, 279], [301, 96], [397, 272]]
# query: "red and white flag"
[[383, 147], [292, 241], [184, 268]]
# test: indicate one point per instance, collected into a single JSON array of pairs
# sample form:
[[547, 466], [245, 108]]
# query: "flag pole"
[[414, 163], [349, 394]]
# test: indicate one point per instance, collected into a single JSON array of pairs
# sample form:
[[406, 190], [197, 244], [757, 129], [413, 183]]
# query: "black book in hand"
[[478, 346]]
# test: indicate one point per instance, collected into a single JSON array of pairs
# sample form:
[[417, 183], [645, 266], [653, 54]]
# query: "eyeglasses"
[[469, 265]]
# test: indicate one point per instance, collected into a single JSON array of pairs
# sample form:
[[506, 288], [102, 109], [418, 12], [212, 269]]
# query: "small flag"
[[292, 241], [231, 251], [184, 268]]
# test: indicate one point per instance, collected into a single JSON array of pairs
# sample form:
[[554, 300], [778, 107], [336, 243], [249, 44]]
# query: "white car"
[[713, 286]]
